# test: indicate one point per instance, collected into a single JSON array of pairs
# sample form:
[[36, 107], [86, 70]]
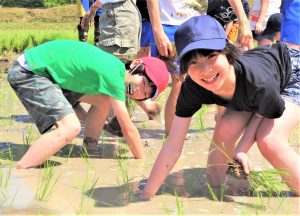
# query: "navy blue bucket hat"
[[199, 32]]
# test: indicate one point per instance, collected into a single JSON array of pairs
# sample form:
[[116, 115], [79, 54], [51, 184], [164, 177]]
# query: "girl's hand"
[[244, 160]]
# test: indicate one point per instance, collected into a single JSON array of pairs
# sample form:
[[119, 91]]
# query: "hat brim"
[[212, 44]]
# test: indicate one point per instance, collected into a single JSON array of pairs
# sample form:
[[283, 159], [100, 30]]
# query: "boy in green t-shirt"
[[53, 78]]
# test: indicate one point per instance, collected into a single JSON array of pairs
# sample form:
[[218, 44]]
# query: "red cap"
[[157, 72]]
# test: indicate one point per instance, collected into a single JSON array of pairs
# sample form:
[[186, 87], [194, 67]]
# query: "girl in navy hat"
[[260, 90]]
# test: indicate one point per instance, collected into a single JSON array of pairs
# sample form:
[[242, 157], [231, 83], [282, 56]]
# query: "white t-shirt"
[[175, 12], [274, 7]]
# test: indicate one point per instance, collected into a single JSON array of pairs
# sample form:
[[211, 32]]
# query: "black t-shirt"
[[261, 75], [223, 12], [143, 8]]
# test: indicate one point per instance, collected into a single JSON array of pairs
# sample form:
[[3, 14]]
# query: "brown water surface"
[[102, 184]]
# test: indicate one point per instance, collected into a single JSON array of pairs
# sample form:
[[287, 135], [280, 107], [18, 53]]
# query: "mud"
[[103, 184]]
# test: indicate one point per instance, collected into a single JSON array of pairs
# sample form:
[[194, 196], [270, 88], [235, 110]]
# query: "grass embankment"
[[22, 28]]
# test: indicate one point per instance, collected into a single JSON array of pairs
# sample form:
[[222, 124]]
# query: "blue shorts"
[[146, 33], [292, 90], [170, 32]]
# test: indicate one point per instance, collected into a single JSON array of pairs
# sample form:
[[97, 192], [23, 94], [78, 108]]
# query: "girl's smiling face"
[[211, 72]]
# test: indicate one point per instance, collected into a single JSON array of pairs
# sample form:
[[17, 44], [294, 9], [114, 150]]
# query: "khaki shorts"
[[120, 28]]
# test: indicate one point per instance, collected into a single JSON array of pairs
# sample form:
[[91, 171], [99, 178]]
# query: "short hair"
[[231, 51], [141, 70]]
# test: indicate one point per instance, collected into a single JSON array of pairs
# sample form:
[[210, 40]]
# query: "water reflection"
[[14, 152]]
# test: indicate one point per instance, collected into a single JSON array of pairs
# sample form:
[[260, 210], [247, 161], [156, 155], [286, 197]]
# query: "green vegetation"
[[48, 182], [35, 3], [84, 205], [22, 28]]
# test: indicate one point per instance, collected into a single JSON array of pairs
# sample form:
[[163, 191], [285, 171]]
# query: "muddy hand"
[[244, 160], [235, 169], [138, 196]]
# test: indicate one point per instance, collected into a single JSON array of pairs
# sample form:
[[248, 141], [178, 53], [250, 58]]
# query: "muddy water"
[[97, 185]]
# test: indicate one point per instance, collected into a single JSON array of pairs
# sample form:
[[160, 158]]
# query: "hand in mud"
[[236, 170], [139, 196], [243, 159]]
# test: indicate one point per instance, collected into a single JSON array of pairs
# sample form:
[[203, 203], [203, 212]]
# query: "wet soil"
[[102, 184], [235, 169]]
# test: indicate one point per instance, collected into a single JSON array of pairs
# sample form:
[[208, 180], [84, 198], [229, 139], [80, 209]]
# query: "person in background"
[[261, 90], [120, 27], [271, 33], [52, 78], [120, 36], [261, 10], [82, 7], [166, 16]]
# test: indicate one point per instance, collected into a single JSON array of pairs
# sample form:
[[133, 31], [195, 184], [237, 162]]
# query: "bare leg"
[[228, 129], [219, 112], [49, 143], [272, 141], [80, 113], [151, 108], [95, 118], [171, 102]]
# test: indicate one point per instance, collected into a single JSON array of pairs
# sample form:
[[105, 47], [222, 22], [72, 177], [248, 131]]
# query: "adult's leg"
[[272, 141], [228, 129], [49, 143]]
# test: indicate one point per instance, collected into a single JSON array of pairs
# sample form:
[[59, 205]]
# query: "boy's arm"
[[129, 131], [246, 143], [167, 157], [163, 44], [246, 40]]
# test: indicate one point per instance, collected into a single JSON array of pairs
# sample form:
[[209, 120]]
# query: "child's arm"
[[129, 131], [246, 142], [167, 156], [246, 40], [262, 15]]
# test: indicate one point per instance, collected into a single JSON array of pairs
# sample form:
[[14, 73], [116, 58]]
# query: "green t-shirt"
[[78, 67]]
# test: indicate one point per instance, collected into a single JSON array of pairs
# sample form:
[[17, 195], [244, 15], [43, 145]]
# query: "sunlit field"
[[73, 182]]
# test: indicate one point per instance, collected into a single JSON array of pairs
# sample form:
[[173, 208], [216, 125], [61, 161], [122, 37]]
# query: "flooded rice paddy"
[[73, 183]]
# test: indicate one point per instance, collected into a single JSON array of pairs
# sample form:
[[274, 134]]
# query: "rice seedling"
[[48, 182], [164, 139], [5, 177], [200, 118], [70, 152], [143, 125], [85, 206], [85, 156], [166, 208], [179, 204], [126, 189], [28, 136], [266, 182], [216, 193], [16, 40], [261, 183]]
